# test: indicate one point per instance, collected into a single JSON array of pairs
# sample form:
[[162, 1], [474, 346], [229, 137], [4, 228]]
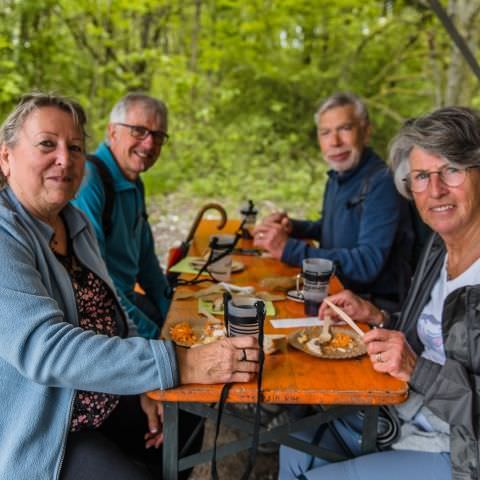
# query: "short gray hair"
[[151, 104], [33, 101], [452, 133], [342, 99]]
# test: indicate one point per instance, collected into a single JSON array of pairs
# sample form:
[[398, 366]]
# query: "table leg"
[[369, 436], [170, 441]]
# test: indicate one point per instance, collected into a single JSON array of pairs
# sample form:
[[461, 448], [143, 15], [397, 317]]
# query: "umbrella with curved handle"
[[198, 219], [177, 253]]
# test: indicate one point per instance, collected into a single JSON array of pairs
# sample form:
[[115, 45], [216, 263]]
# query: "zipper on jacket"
[[65, 435]]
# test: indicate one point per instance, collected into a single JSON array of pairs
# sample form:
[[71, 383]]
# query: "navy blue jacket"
[[358, 235]]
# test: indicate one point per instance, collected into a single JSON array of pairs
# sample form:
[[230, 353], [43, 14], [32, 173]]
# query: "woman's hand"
[[231, 359], [154, 412], [390, 353], [359, 309]]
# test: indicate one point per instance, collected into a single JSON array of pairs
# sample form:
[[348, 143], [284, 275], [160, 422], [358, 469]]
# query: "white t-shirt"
[[429, 326], [425, 425]]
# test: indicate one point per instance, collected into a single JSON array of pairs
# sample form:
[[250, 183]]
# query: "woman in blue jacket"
[[70, 364]]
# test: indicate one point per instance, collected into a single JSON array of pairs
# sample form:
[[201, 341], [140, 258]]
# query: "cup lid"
[[222, 241], [248, 208]]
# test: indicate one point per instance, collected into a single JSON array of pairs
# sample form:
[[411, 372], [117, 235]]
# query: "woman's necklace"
[[57, 242], [54, 243]]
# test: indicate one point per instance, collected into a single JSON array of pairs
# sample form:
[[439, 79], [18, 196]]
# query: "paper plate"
[[357, 349]]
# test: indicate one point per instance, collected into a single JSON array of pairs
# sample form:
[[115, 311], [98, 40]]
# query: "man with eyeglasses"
[[136, 132]]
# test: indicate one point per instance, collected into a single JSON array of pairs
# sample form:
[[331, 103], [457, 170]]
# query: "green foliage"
[[242, 79]]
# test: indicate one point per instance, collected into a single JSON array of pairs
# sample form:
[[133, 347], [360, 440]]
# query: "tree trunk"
[[461, 82]]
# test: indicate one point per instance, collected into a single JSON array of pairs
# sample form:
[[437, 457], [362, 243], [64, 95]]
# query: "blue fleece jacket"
[[129, 249], [45, 356], [357, 236]]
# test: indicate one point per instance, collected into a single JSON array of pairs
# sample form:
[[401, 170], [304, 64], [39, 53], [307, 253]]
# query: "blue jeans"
[[390, 464]]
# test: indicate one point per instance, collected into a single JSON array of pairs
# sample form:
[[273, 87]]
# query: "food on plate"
[[314, 346], [344, 343], [302, 337], [274, 342], [212, 332], [340, 341], [182, 333]]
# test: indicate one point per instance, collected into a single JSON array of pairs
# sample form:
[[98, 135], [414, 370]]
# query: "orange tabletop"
[[291, 377]]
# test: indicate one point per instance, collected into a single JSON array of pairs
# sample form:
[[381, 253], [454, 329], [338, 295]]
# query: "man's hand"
[[154, 412], [272, 237], [280, 218]]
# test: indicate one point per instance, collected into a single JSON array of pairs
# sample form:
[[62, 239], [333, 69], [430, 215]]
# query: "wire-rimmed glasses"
[[418, 180]]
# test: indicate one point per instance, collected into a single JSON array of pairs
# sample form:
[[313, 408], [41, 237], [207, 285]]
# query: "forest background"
[[242, 79]]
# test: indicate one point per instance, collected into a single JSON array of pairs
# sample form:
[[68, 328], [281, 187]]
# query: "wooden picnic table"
[[291, 377]]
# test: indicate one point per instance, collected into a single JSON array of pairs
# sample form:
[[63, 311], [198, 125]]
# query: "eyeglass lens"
[[450, 176], [137, 131], [142, 132]]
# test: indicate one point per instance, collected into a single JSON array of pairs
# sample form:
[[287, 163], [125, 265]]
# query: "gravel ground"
[[171, 217], [232, 467]]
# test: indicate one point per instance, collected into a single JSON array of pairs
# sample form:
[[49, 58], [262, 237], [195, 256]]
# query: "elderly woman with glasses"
[[433, 344], [71, 367]]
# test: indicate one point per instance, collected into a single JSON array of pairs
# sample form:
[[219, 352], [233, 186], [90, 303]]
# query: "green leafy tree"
[[242, 79]]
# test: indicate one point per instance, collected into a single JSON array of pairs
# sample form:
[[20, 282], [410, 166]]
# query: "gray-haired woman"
[[433, 344], [70, 377]]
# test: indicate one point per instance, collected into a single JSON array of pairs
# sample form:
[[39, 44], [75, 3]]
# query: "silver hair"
[[342, 99], [151, 104], [452, 133], [33, 101]]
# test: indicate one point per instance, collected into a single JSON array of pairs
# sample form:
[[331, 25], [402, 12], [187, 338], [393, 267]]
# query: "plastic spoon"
[[346, 318], [325, 335]]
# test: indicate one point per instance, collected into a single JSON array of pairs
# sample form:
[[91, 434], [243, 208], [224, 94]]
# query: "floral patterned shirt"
[[96, 311]]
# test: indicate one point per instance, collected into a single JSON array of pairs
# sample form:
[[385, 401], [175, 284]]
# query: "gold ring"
[[378, 358]]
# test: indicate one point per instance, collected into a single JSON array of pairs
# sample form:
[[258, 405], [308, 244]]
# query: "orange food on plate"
[[182, 333], [340, 340]]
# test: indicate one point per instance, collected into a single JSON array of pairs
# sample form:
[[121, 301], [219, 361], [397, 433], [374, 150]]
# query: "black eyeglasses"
[[137, 131], [418, 180]]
